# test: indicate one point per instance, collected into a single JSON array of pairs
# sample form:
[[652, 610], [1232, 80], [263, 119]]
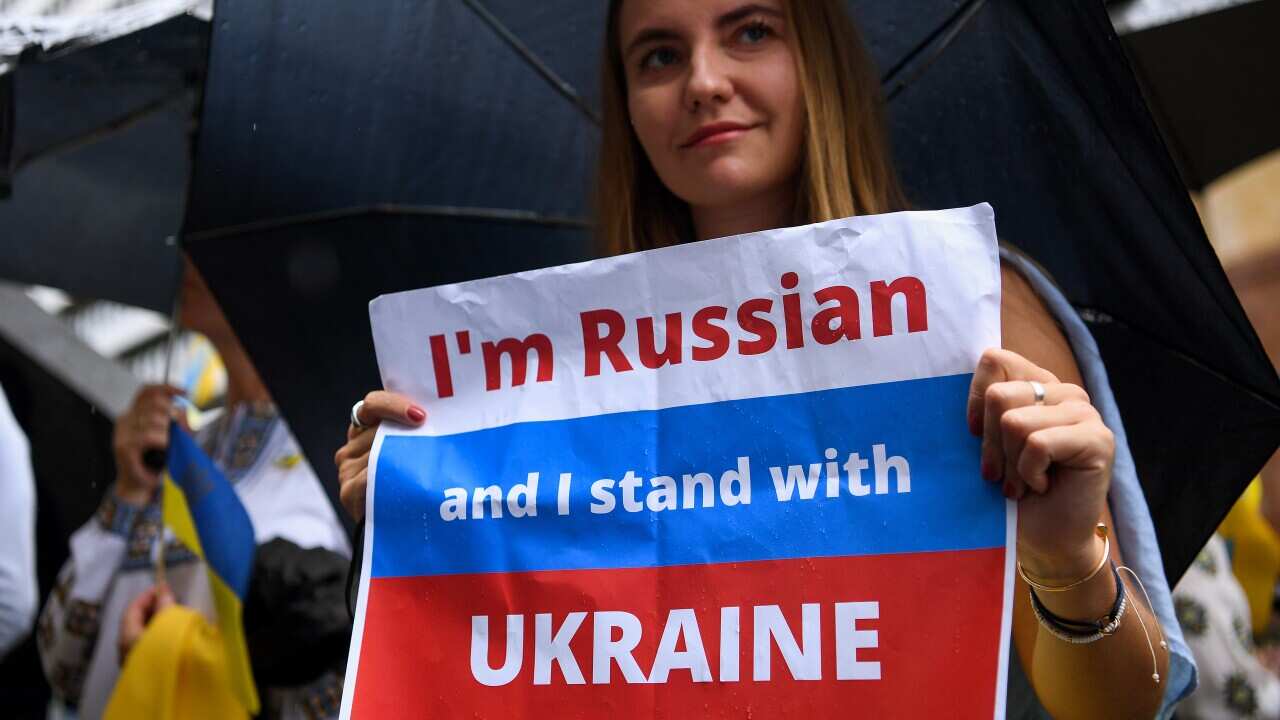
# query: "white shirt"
[[17, 533]]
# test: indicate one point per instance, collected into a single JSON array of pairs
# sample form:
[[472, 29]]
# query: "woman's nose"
[[709, 82]]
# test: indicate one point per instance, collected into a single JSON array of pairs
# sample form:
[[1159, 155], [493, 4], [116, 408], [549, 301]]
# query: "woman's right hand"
[[352, 459], [144, 426]]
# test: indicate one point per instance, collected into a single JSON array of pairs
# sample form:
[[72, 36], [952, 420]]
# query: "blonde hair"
[[845, 168]]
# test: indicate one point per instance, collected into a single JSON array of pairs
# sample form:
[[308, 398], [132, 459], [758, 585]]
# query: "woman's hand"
[[144, 426], [1054, 459], [138, 614], [352, 459]]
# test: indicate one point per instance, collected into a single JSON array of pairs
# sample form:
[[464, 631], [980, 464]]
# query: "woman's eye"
[[754, 33], [659, 58]]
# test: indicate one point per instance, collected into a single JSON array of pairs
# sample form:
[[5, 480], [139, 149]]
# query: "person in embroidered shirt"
[[113, 555]]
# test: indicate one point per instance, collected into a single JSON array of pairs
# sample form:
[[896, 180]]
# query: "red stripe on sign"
[[909, 635]]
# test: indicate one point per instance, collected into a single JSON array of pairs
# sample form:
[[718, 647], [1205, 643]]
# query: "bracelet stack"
[[1076, 631], [1079, 632]]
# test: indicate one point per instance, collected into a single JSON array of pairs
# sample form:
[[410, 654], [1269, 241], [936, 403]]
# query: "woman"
[[731, 116]]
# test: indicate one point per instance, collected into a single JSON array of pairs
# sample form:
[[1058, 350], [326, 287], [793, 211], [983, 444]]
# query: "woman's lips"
[[716, 134]]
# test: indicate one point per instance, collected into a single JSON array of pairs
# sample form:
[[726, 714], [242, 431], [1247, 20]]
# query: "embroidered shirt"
[[113, 559]]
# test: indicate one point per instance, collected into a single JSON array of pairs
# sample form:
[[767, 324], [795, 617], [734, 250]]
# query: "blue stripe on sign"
[[949, 506]]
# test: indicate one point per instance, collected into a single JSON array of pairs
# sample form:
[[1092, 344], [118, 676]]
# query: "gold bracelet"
[[1101, 531]]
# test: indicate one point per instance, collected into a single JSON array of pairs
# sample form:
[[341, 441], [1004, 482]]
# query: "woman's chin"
[[721, 186]]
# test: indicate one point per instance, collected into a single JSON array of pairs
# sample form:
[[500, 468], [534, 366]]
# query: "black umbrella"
[[1210, 80], [346, 153], [94, 159]]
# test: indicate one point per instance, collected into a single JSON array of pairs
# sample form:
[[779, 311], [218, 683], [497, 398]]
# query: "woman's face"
[[714, 97]]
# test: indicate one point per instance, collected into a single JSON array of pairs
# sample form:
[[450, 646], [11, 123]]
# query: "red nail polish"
[[988, 472], [416, 414]]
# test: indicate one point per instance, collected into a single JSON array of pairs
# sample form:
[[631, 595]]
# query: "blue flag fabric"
[[206, 515]]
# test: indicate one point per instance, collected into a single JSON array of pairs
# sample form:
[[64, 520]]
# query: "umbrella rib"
[[1190, 175], [939, 40], [1095, 316], [119, 124], [448, 211], [559, 84]]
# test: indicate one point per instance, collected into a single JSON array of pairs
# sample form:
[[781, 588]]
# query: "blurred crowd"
[[1227, 601], [129, 626]]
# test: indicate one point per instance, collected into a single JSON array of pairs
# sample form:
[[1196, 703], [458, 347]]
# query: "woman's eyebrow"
[[659, 34], [649, 35], [741, 13]]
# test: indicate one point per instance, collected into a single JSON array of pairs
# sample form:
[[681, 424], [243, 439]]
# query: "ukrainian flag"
[[205, 514]]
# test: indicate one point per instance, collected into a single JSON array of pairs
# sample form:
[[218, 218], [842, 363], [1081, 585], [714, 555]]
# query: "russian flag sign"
[[724, 479]]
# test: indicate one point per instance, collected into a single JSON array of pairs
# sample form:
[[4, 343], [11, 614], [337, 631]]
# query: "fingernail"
[[988, 471], [1007, 491], [973, 423], [416, 414]]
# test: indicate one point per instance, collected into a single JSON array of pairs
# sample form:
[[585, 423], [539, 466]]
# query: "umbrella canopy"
[[346, 153], [95, 150], [1208, 73]]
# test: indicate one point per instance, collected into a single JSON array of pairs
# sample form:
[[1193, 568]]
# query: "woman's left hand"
[[1053, 458]]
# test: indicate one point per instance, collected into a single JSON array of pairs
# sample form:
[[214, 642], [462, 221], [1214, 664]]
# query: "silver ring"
[[1036, 388], [355, 416]]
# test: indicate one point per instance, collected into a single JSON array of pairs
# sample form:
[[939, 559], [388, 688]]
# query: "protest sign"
[[727, 478]]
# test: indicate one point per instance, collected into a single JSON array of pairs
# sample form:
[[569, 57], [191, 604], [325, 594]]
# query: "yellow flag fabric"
[[202, 510], [176, 671], [1255, 553]]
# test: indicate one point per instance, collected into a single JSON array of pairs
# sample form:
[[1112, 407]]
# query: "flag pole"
[[171, 343]]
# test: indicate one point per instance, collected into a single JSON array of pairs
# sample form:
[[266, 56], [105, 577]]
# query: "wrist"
[[1061, 567], [1074, 585], [119, 516], [131, 494], [1087, 602], [1087, 628]]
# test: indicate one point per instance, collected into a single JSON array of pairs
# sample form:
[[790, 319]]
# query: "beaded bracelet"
[[1080, 632]]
